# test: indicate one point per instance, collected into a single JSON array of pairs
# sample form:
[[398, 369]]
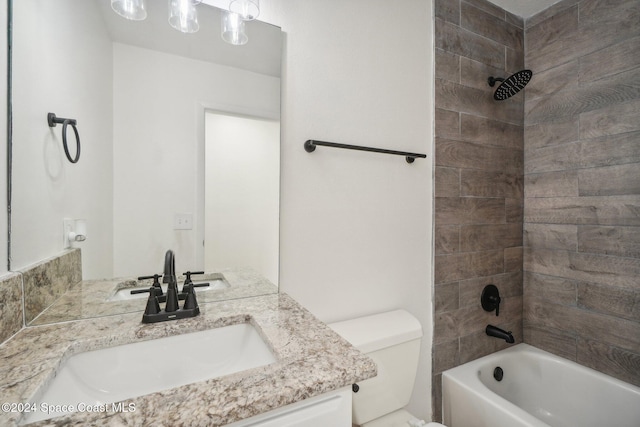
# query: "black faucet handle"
[[155, 278], [200, 285], [153, 305], [187, 280], [188, 275], [157, 291], [190, 301], [156, 284], [496, 301], [490, 299]]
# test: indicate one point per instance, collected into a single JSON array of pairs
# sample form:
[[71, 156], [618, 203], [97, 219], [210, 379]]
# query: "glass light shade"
[[131, 9], [247, 9], [183, 16], [233, 29]]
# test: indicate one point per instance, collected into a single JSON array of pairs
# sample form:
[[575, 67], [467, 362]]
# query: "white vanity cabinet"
[[330, 409]]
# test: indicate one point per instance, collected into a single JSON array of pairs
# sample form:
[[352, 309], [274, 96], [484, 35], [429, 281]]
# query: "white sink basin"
[[123, 372], [125, 293]]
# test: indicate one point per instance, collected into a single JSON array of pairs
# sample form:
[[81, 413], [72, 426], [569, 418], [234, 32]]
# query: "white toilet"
[[392, 340]]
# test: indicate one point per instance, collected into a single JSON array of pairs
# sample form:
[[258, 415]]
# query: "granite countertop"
[[91, 298], [311, 360]]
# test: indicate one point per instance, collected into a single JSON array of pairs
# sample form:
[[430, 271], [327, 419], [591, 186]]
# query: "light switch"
[[183, 221]]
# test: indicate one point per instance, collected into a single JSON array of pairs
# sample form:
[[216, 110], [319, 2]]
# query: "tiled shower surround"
[[582, 185], [568, 267], [478, 182]]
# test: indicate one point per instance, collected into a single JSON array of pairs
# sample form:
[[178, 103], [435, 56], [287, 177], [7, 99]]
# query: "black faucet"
[[169, 276], [172, 309], [494, 331]]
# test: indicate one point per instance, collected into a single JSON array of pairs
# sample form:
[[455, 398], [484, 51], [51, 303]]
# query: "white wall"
[[46, 187], [356, 228], [158, 135], [242, 194]]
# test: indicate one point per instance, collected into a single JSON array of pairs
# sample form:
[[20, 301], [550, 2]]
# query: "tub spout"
[[494, 331]]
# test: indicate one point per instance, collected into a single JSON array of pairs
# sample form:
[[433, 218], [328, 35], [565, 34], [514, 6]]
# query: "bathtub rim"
[[466, 376]]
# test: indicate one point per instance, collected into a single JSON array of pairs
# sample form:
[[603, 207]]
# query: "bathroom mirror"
[[179, 140]]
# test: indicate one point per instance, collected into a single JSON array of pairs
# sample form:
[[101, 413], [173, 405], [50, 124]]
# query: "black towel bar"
[[310, 147]]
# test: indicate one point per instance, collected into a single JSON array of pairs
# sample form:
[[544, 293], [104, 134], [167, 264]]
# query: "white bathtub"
[[538, 389]]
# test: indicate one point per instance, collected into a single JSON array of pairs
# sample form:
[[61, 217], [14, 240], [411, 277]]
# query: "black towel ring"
[[53, 121]]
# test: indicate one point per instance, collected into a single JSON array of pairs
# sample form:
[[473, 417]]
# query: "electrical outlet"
[[183, 221]]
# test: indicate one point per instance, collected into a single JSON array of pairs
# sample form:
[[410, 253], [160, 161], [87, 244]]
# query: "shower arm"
[[492, 80]]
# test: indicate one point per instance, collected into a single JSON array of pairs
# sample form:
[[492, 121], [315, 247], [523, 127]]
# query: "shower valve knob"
[[490, 299]]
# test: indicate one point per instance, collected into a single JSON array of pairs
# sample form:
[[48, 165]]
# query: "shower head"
[[511, 85]]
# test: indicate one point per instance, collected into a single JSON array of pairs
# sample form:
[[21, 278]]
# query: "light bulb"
[[130, 9], [233, 29], [247, 9], [183, 16]]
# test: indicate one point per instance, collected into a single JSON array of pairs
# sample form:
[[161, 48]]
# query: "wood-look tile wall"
[[478, 182], [582, 184]]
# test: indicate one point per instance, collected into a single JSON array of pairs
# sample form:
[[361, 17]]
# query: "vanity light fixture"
[[233, 29], [183, 15], [130, 9], [247, 9]]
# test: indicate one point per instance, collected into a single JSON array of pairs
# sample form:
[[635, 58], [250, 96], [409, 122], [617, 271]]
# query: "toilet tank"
[[392, 340]]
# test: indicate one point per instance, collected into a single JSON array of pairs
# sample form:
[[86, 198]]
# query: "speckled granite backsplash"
[[26, 294], [47, 280], [11, 314]]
